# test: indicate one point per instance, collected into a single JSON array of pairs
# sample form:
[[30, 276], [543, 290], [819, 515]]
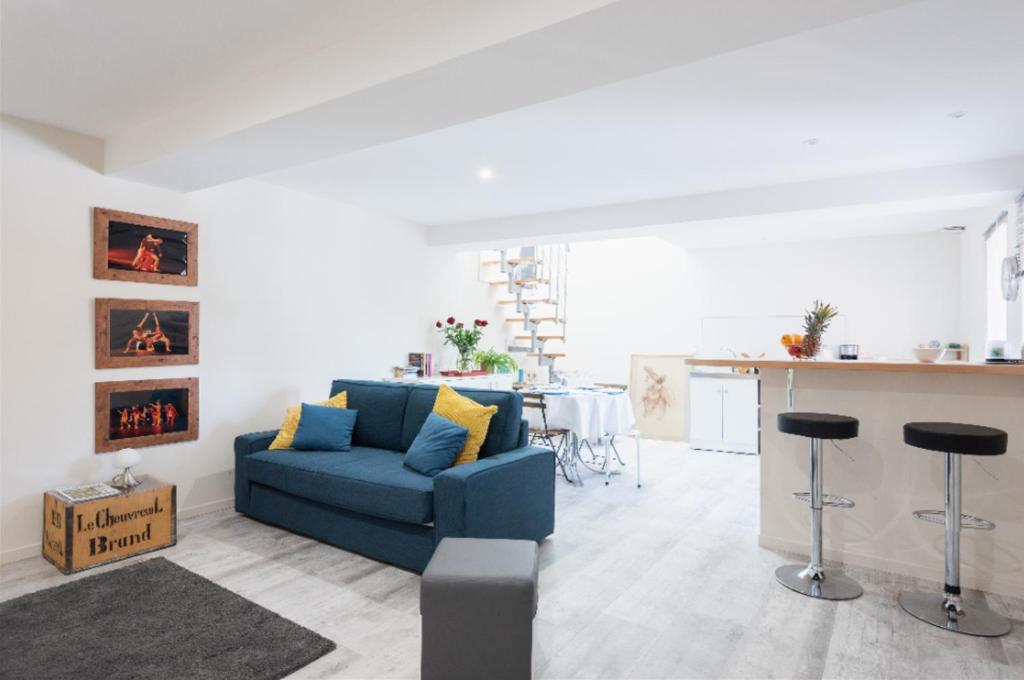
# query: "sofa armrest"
[[524, 434], [508, 495], [246, 444]]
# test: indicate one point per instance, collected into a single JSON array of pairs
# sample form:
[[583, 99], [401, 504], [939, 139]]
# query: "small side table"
[[79, 535]]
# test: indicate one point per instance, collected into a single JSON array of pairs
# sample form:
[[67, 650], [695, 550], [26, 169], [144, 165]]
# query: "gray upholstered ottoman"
[[477, 599]]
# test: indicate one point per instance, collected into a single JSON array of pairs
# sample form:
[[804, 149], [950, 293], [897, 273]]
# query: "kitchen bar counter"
[[858, 365], [887, 479]]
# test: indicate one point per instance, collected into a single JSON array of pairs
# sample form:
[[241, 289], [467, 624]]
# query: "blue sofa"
[[366, 501]]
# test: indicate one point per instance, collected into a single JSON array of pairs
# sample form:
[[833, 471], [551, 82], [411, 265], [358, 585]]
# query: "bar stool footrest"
[[966, 521], [827, 500]]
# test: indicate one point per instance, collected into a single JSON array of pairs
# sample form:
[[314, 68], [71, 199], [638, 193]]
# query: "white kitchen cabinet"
[[705, 411], [724, 413]]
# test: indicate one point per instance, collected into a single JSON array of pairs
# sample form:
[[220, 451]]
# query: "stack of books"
[[421, 365]]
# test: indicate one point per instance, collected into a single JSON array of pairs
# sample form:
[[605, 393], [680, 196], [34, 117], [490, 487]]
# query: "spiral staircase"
[[532, 285]]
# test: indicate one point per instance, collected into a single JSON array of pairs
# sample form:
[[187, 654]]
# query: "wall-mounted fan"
[[1013, 266], [1012, 274]]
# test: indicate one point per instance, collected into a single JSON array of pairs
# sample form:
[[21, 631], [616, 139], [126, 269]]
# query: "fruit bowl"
[[929, 355], [794, 344]]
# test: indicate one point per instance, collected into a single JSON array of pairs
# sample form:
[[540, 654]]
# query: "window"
[[1018, 250], [996, 242]]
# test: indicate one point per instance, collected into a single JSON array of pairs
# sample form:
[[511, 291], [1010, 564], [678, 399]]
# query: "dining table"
[[591, 415]]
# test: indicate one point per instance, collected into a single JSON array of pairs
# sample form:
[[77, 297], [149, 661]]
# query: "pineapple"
[[816, 322]]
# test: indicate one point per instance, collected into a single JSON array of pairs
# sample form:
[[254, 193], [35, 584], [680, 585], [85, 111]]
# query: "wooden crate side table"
[[78, 535]]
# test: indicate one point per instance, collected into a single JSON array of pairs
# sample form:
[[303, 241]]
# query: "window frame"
[[992, 280]]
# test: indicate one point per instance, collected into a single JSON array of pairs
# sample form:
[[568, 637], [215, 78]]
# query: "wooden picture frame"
[[140, 398], [659, 385], [132, 247], [130, 333]]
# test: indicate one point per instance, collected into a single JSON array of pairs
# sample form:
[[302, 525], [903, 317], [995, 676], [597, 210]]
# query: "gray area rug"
[[149, 621]]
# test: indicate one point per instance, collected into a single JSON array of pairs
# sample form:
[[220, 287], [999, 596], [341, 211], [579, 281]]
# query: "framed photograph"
[[137, 413], [146, 333], [659, 385], [131, 247]]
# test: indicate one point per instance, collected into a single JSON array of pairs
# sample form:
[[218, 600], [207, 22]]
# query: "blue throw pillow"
[[435, 447], [324, 428]]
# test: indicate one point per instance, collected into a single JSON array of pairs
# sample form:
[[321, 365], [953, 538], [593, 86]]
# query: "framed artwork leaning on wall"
[[132, 247], [146, 333], [659, 385], [137, 413]]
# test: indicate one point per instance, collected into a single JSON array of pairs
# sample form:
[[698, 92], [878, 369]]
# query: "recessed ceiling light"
[[955, 227], [485, 174], [957, 114], [811, 141]]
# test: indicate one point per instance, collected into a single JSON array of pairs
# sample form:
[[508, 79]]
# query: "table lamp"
[[125, 459]]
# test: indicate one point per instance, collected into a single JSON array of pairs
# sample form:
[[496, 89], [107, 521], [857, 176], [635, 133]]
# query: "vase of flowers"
[[463, 338]]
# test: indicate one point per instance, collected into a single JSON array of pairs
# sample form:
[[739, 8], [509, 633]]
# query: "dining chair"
[[545, 434]]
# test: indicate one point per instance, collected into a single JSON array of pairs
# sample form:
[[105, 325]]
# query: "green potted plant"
[[494, 361], [462, 338]]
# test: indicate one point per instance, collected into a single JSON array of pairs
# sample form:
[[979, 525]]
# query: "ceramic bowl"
[[929, 355]]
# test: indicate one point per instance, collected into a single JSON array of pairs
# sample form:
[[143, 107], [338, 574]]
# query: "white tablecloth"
[[589, 414]]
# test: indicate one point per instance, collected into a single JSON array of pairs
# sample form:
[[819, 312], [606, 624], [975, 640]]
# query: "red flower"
[[438, 324], [478, 322], [451, 320], [483, 322], [459, 325]]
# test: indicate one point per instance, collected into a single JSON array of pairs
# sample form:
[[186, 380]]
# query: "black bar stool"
[[945, 609], [810, 580]]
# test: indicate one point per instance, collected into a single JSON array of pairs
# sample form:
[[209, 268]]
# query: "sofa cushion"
[[366, 480], [322, 428], [502, 433], [286, 433], [435, 447], [381, 409], [473, 416]]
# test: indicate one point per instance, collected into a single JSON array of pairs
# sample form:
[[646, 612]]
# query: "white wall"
[[896, 291], [647, 295], [627, 296], [293, 291], [972, 288], [460, 288]]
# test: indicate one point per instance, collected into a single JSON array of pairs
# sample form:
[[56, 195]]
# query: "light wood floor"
[[663, 582]]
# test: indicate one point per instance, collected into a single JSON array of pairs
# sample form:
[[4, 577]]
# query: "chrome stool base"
[[827, 500], [966, 521], [807, 581], [930, 608]]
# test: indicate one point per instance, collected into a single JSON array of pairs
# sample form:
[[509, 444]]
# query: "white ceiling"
[[876, 91], [680, 117], [190, 95], [99, 66]]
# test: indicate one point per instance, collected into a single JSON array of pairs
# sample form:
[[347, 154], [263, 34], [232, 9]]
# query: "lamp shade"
[[126, 458]]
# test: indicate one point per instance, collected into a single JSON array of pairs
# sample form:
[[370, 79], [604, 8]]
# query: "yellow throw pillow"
[[286, 434], [470, 415]]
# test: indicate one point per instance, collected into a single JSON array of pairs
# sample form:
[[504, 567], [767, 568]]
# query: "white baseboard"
[[36, 549], [206, 508], [22, 553], [997, 584]]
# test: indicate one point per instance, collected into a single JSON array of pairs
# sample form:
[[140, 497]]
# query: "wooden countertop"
[[882, 366]]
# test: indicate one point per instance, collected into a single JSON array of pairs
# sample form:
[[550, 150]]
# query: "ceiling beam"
[[453, 62], [950, 187]]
